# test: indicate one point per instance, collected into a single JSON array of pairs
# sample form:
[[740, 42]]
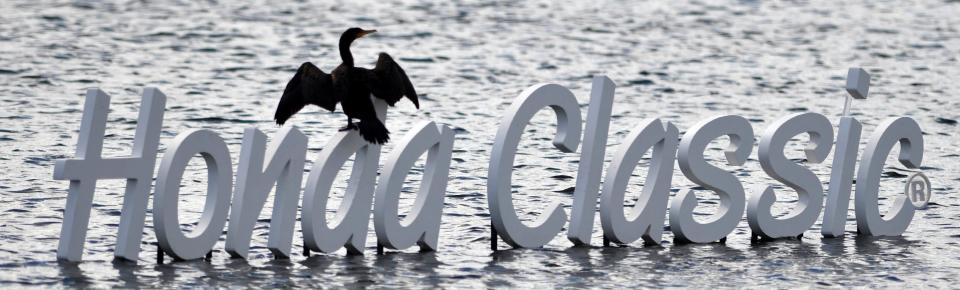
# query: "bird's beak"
[[365, 32]]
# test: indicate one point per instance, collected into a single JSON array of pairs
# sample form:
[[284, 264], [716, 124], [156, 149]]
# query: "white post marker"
[[88, 167]]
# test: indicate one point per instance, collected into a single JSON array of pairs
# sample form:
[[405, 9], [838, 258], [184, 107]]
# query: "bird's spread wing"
[[309, 86], [389, 82]]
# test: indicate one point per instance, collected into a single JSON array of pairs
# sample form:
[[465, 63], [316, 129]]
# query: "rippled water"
[[223, 66]]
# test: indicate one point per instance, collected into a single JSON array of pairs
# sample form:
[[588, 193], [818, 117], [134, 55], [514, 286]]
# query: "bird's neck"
[[345, 51]]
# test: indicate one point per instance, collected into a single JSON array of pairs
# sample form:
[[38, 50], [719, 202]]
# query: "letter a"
[[422, 224], [353, 216]]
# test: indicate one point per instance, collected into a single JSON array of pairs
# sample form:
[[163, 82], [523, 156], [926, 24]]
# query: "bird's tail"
[[373, 131]]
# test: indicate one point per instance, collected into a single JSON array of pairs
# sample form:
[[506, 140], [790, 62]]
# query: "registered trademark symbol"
[[917, 189]]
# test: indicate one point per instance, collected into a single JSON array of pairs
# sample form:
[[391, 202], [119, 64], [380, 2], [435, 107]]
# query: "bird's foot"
[[348, 127]]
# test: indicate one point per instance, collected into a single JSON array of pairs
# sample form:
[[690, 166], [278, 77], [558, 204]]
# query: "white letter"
[[166, 220], [84, 172], [841, 177], [907, 132], [353, 216], [422, 224], [844, 157], [776, 165], [646, 217], [254, 180], [591, 161], [696, 168], [500, 200]]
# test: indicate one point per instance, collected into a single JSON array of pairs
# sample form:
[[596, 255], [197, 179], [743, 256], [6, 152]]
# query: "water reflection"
[[73, 276], [127, 272], [822, 260]]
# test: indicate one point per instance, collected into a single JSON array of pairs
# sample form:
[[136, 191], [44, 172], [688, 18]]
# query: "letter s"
[[799, 178], [695, 167]]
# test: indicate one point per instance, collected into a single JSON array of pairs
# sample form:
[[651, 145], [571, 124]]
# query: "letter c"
[[901, 130], [499, 197]]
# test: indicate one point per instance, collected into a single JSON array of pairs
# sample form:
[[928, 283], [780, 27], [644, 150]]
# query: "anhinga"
[[352, 87]]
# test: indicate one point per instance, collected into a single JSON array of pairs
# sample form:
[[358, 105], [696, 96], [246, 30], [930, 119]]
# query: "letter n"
[[284, 167]]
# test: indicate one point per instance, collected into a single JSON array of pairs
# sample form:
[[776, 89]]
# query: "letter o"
[[166, 221]]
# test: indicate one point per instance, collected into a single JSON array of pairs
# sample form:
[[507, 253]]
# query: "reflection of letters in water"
[[280, 163]]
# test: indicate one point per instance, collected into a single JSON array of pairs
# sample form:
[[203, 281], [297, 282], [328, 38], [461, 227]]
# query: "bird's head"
[[353, 33]]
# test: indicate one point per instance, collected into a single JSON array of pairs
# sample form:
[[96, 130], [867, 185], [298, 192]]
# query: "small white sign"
[[917, 190]]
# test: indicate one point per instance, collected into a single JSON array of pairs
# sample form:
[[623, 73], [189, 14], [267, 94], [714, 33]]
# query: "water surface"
[[223, 66]]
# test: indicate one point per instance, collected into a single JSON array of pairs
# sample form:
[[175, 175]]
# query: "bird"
[[351, 86]]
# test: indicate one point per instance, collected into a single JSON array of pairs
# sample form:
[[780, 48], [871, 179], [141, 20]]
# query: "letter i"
[[844, 158]]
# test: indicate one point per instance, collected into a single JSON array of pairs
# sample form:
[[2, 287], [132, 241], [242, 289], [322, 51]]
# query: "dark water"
[[223, 66]]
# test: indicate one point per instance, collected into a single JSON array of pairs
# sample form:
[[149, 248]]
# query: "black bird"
[[352, 87]]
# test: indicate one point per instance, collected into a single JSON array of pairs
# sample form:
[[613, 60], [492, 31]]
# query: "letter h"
[[90, 166]]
